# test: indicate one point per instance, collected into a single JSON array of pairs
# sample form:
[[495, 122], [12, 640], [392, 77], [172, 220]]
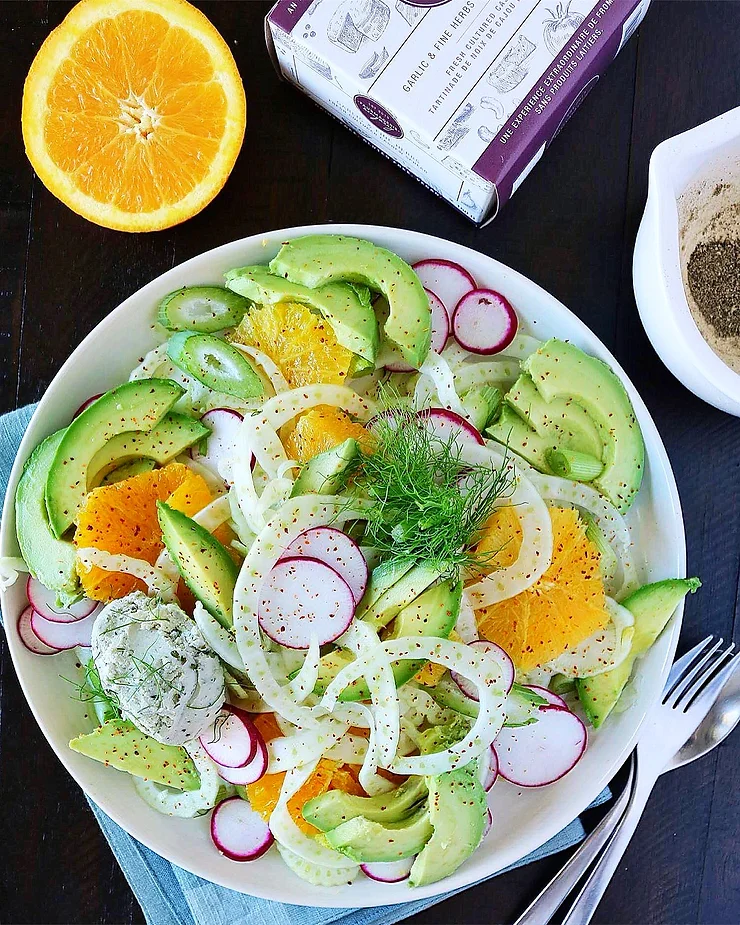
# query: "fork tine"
[[687, 677], [681, 664], [701, 702]]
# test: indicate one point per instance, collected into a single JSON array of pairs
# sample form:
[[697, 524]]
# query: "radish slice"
[[301, 598], [389, 871], [335, 549], [446, 425], [231, 740], [539, 754], [44, 603], [440, 335], [484, 322], [222, 442], [238, 831], [502, 657], [487, 824], [29, 639], [64, 635], [86, 404], [449, 280], [489, 769], [553, 699], [250, 772]]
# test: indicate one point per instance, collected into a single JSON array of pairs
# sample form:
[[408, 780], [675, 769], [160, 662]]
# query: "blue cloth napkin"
[[171, 896]]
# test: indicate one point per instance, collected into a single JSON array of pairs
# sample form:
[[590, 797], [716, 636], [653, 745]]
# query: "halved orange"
[[134, 112], [562, 608]]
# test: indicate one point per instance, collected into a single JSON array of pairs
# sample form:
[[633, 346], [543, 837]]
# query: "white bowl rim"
[[705, 139], [556, 821]]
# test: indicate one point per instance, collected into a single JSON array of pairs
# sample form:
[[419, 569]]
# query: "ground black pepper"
[[713, 273]]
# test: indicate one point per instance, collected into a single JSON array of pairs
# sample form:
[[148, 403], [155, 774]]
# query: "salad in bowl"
[[343, 554]]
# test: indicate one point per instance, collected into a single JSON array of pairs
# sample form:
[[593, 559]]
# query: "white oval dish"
[[659, 289], [522, 820]]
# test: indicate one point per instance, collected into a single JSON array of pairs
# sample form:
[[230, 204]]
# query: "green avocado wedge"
[[334, 807], [316, 260], [325, 473], [560, 371], [366, 841], [204, 563], [347, 308], [119, 744], [49, 559], [137, 405], [652, 607], [166, 440], [457, 813]]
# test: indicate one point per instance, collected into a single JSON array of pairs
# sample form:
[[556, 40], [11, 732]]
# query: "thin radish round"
[[487, 824], [29, 639], [543, 752], [44, 602], [484, 645], [238, 831], [489, 768], [335, 549], [64, 635], [553, 699], [231, 740], [448, 426], [301, 598], [484, 322], [222, 442], [251, 772], [389, 871], [86, 404], [449, 280], [440, 334]]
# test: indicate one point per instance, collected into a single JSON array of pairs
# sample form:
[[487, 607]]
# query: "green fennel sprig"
[[428, 504], [90, 690]]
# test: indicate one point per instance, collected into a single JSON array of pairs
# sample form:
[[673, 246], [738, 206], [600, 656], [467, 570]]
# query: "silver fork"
[[694, 683]]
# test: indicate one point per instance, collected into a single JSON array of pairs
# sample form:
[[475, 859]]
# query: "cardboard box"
[[466, 95]]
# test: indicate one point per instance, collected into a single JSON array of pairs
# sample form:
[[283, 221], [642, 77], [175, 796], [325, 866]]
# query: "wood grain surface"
[[571, 228]]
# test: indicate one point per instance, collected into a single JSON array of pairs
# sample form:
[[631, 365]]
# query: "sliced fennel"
[[317, 874], [603, 650], [158, 582], [185, 804]]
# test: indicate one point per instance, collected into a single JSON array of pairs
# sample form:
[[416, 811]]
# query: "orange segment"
[[320, 429], [562, 608], [122, 518], [134, 112], [301, 344]]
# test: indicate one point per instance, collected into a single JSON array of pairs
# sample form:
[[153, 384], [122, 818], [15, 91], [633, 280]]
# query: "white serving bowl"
[[659, 290], [523, 820]]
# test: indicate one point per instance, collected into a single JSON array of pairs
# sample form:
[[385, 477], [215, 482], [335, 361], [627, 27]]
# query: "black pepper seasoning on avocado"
[[713, 273]]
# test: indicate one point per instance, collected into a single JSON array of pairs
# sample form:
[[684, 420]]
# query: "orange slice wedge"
[[134, 112]]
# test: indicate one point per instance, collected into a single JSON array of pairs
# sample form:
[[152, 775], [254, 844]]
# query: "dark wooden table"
[[571, 228]]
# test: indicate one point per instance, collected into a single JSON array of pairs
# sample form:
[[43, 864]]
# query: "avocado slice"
[[383, 577], [335, 807], [567, 423], [324, 473], [49, 559], [514, 433], [137, 405], [119, 744], [204, 563], [166, 440], [652, 607], [318, 259], [560, 370], [128, 471], [364, 840], [347, 308], [457, 812], [482, 405], [433, 613], [399, 595]]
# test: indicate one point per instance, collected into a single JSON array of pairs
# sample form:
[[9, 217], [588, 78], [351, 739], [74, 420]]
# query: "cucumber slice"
[[215, 363], [206, 309]]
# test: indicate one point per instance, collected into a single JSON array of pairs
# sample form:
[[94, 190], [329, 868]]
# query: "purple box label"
[[555, 96], [286, 13]]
